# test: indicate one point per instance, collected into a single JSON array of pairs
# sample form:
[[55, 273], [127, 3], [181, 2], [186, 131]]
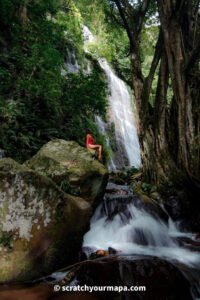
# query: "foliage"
[[36, 102], [111, 40]]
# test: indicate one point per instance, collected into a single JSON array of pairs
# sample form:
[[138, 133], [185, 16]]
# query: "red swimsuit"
[[89, 140]]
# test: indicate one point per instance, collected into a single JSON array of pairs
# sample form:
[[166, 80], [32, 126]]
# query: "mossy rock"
[[37, 223], [72, 167]]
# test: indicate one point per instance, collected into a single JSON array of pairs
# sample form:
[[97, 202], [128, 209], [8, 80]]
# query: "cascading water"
[[102, 128], [130, 226], [133, 230], [121, 115], [120, 118]]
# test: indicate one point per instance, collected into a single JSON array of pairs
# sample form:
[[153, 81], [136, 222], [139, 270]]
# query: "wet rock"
[[162, 279], [118, 197], [41, 227], [72, 168], [117, 189], [86, 252], [193, 245], [151, 207], [116, 205]]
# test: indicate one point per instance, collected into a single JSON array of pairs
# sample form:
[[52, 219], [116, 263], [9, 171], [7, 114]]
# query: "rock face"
[[72, 168], [41, 227]]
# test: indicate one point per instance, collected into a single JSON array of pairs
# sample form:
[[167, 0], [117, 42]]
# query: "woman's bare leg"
[[100, 152], [99, 149]]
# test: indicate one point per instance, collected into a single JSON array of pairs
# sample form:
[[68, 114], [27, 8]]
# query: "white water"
[[102, 128], [126, 237], [120, 113]]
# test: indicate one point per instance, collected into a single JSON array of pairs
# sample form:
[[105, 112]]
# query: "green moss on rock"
[[72, 167]]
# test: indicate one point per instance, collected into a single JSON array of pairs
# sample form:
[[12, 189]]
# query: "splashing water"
[[138, 233]]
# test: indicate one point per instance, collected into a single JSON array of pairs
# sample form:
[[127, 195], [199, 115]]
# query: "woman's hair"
[[88, 131]]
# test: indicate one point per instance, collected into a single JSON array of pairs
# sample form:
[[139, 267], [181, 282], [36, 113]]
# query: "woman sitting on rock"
[[90, 144]]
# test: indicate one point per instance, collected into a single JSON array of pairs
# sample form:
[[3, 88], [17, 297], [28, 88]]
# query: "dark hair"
[[88, 131]]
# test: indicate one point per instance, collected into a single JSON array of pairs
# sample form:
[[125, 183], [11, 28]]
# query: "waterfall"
[[120, 118], [103, 128], [71, 64], [120, 128]]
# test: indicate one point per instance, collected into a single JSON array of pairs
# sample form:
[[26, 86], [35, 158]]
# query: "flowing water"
[[127, 224], [121, 123], [139, 230], [138, 233]]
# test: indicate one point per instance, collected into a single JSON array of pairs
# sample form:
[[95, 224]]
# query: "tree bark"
[[175, 50], [169, 135]]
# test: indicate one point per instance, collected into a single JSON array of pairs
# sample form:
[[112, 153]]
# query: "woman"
[[90, 144]]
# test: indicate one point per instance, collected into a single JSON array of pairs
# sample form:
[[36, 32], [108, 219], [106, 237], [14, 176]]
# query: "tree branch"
[[150, 77], [126, 24], [141, 14]]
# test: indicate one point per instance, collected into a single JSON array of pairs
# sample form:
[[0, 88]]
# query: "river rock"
[[72, 168], [41, 227], [162, 279], [152, 207], [113, 188]]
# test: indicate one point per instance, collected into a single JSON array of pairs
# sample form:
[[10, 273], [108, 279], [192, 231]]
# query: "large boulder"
[[161, 279], [41, 227], [72, 168]]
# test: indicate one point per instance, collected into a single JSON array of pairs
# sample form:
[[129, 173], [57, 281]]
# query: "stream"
[[139, 238]]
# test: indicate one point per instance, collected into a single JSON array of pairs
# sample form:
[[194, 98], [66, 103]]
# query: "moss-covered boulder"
[[41, 227], [72, 167]]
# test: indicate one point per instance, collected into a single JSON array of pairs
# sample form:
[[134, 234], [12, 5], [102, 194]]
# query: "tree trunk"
[[175, 50]]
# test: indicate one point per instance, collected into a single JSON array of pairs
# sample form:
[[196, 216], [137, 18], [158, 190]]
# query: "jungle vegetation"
[[152, 44]]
